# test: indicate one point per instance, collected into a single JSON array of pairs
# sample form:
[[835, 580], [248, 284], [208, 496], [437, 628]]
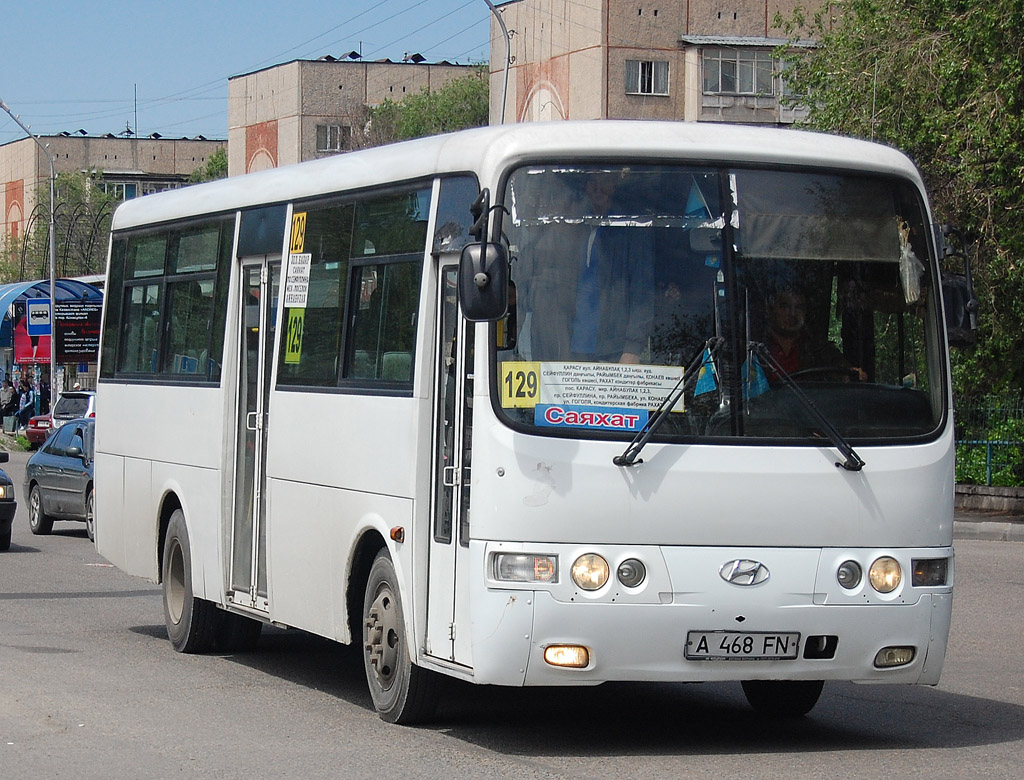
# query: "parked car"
[[8, 506], [71, 405], [38, 429], [58, 478]]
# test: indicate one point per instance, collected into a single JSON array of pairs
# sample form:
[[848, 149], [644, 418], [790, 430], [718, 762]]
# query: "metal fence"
[[990, 440]]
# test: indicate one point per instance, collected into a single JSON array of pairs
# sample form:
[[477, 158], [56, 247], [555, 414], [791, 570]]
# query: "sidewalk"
[[993, 513], [990, 525]]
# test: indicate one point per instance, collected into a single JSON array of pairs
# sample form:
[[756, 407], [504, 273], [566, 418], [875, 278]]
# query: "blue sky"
[[95, 66]]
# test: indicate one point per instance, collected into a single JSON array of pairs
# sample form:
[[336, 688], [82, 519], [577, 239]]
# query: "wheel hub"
[[382, 637]]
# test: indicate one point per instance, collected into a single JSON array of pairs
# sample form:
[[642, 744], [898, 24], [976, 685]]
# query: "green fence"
[[990, 441]]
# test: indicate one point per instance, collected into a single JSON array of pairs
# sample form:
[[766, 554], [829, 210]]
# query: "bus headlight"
[[568, 656], [590, 572], [929, 572], [631, 573], [885, 574], [849, 574], [525, 567]]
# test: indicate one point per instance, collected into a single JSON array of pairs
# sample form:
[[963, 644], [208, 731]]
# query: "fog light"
[[568, 656], [885, 574], [525, 567], [929, 572], [590, 572], [631, 573], [849, 574], [888, 657]]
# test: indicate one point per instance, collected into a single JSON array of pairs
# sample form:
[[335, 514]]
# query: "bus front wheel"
[[783, 698], [401, 691], [191, 622]]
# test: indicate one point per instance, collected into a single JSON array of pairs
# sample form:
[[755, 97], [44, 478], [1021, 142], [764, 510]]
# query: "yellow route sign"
[[293, 336], [298, 232]]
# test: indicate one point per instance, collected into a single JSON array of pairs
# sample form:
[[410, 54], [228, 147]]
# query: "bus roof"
[[486, 151]]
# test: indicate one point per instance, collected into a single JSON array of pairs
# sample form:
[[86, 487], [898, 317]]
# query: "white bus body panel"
[[173, 445], [709, 495]]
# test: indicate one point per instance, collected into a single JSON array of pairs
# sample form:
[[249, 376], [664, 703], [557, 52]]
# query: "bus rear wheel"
[[783, 698], [191, 622], [401, 691]]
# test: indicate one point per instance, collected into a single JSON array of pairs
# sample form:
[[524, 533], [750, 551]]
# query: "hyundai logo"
[[744, 572]]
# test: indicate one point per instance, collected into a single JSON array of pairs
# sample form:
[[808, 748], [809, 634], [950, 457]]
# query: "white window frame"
[[332, 138], [647, 77], [738, 71]]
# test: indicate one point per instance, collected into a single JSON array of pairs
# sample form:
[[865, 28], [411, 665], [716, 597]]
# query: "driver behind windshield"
[[795, 350]]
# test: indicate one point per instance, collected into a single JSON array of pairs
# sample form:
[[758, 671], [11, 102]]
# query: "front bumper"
[[641, 635]]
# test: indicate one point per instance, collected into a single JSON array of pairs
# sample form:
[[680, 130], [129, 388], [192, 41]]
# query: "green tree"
[[82, 214], [459, 104], [942, 80], [216, 167]]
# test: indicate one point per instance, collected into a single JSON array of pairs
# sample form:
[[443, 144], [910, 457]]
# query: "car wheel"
[[38, 521], [401, 691], [5, 540], [191, 622], [90, 517]]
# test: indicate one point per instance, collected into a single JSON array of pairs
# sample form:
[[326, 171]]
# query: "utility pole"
[[53, 253], [508, 55]]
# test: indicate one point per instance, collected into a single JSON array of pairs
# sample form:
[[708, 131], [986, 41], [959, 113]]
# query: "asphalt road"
[[91, 689]]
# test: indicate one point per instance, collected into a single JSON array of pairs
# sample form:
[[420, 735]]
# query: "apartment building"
[[305, 109], [695, 60]]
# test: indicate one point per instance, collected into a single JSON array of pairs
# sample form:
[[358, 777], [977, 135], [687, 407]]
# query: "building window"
[[119, 189], [646, 77], [332, 138], [738, 71]]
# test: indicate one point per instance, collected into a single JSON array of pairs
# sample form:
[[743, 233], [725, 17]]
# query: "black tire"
[[90, 515], [401, 691], [191, 622], [237, 633], [39, 522], [783, 698], [5, 540]]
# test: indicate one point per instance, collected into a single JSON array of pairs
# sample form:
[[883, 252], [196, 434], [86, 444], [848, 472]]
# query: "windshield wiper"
[[686, 381], [853, 461]]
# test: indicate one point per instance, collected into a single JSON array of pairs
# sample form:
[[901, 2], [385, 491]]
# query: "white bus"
[[546, 404]]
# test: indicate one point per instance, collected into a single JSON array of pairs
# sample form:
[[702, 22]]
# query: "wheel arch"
[[364, 552], [168, 506]]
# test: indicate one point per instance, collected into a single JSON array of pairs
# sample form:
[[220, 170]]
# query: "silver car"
[[73, 404]]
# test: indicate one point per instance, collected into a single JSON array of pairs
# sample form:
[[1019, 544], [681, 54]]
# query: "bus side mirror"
[[483, 282], [959, 302], [961, 308]]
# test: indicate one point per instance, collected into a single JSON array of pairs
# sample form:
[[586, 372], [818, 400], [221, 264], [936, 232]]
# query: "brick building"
[[129, 166], [696, 60], [305, 109]]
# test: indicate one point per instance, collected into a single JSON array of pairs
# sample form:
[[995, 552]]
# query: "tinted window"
[[353, 278], [59, 442], [167, 301], [70, 406]]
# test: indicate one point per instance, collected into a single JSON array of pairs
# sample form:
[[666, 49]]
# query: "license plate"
[[736, 646]]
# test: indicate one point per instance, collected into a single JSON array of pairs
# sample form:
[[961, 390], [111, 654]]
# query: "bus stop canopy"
[[66, 289]]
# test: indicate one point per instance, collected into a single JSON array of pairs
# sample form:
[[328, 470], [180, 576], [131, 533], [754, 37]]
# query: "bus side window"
[[384, 320]]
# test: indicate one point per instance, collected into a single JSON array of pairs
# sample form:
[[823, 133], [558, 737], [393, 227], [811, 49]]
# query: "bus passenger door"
[[448, 629], [260, 279]]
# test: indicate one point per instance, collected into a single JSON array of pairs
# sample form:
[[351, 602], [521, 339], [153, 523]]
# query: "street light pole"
[[508, 55], [53, 251]]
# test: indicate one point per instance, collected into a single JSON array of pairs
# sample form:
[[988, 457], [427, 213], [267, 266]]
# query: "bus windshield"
[[760, 292]]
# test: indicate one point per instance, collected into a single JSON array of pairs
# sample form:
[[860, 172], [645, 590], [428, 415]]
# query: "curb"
[[989, 527]]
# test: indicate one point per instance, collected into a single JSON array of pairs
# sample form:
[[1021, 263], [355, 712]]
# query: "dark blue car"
[[58, 478], [7, 505]]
